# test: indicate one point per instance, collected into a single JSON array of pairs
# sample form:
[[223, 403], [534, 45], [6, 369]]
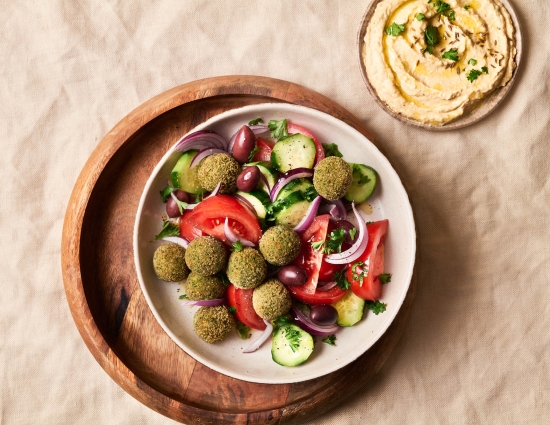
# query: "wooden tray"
[[104, 294]]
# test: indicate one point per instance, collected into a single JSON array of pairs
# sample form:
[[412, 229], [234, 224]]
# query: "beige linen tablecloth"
[[475, 348]]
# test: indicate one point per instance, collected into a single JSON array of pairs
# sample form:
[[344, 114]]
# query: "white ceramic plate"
[[390, 201]]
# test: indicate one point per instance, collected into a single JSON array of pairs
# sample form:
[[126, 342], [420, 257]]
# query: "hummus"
[[433, 61]]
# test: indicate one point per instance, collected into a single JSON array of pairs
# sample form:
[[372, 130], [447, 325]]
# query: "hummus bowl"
[[227, 357], [440, 65]]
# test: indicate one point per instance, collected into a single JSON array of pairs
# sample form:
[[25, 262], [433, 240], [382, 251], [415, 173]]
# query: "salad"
[[265, 232]]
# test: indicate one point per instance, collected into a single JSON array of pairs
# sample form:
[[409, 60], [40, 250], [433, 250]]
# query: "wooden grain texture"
[[471, 116], [104, 295]]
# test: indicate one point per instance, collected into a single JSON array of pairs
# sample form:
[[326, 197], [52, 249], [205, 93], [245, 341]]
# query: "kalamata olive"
[[323, 315], [292, 275], [248, 179], [347, 226], [245, 142], [172, 209]]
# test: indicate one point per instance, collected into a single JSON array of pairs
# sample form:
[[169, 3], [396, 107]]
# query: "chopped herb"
[[472, 62], [183, 297], [181, 205], [431, 37], [352, 233], [473, 75], [451, 15], [281, 321], [237, 246], [278, 128], [341, 280], [233, 309], [420, 17], [361, 178], [395, 29], [376, 307], [255, 121], [317, 245], [358, 277], [223, 278], [310, 194], [467, 7], [199, 197], [385, 278], [330, 340], [332, 244], [253, 152], [243, 330], [293, 337], [441, 6], [485, 69], [331, 149], [451, 55], [168, 229], [165, 193], [428, 49]]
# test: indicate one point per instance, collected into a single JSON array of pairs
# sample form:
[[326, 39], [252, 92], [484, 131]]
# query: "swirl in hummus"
[[432, 61]]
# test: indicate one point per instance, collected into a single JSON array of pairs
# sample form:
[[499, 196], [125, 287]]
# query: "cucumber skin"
[[280, 348], [359, 193], [286, 155]]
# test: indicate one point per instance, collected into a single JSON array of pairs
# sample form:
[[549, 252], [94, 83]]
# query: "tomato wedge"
[[209, 217], [294, 128], [241, 299], [264, 151], [370, 265]]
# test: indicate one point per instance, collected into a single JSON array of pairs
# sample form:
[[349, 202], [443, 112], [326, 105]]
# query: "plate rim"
[[470, 118], [227, 114]]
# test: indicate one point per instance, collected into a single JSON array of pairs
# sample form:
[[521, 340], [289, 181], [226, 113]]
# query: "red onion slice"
[[303, 320], [325, 286], [258, 130], [310, 215], [232, 237], [286, 178], [201, 140], [258, 342], [205, 303], [178, 240], [336, 209], [203, 154], [358, 246]]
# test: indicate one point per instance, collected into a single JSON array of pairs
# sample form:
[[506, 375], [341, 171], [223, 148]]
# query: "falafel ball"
[[332, 178], [246, 269], [271, 299], [217, 168], [206, 255], [199, 287], [280, 245], [169, 262], [213, 324]]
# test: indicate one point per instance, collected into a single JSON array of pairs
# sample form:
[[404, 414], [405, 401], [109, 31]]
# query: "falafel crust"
[[271, 299], [332, 178], [206, 255], [246, 269], [213, 324], [199, 287], [169, 262], [217, 168], [280, 245]]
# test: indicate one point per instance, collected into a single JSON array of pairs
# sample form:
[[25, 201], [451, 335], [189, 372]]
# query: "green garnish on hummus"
[[395, 29]]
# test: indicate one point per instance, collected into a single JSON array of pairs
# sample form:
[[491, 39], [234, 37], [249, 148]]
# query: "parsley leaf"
[[485, 69], [420, 17], [364, 272], [472, 62], [318, 245], [237, 246], [428, 49], [278, 128], [310, 194], [467, 7], [332, 244], [376, 307], [431, 36], [168, 229], [165, 193], [360, 178], [233, 309], [451, 15], [199, 197], [243, 330], [281, 321], [385, 278], [352, 233], [330, 340], [223, 278], [293, 337], [331, 149], [451, 55], [183, 297], [253, 152], [255, 121], [395, 29], [473, 75], [341, 280], [442, 6]]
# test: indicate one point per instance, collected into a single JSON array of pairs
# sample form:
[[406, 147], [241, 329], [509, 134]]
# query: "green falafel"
[[218, 168], [213, 324], [199, 287], [206, 256], [169, 262], [271, 299], [332, 178], [246, 269], [280, 245]]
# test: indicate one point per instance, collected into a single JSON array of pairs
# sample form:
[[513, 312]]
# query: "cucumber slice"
[[291, 345], [258, 199], [294, 151], [291, 209], [298, 185], [269, 173], [364, 182], [350, 309], [185, 178]]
